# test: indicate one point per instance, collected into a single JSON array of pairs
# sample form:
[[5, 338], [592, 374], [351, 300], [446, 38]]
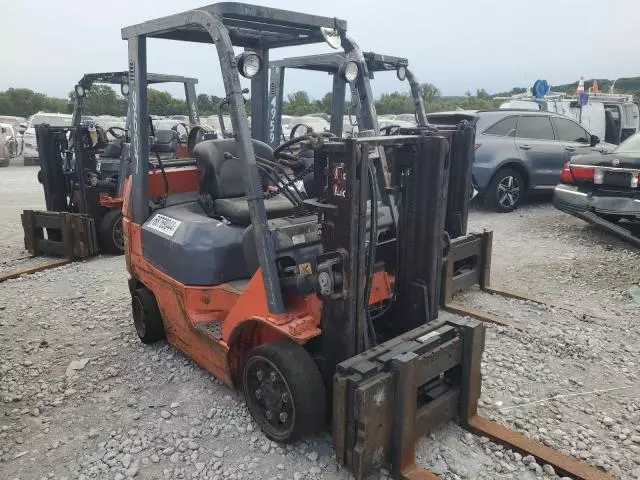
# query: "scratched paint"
[[380, 396]]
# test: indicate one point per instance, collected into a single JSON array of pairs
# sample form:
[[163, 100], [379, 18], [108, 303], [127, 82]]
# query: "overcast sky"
[[457, 45]]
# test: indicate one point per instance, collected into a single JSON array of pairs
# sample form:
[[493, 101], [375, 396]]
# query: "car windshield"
[[630, 145], [51, 119]]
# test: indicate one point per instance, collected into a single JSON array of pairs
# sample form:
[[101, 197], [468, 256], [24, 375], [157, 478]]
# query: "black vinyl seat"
[[165, 141], [236, 209], [222, 179], [112, 150]]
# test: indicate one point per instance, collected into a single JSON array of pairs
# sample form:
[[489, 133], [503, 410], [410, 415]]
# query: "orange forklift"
[[82, 172], [320, 305]]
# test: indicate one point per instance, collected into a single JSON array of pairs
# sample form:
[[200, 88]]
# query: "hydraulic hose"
[[371, 257]]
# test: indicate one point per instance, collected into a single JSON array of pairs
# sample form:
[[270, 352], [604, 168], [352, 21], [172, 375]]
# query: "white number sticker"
[[163, 224]]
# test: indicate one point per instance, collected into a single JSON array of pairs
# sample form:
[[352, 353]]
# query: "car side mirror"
[[3, 130], [594, 140]]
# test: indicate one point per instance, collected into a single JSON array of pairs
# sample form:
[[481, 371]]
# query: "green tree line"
[[103, 100]]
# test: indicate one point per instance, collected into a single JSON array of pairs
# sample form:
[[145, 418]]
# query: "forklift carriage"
[[331, 301]]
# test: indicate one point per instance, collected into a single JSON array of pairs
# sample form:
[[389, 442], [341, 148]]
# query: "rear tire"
[[284, 390], [110, 234], [4, 163], [505, 191], [146, 316]]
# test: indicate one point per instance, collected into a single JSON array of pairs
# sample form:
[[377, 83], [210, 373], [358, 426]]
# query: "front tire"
[[506, 190], [110, 234], [146, 316], [284, 390]]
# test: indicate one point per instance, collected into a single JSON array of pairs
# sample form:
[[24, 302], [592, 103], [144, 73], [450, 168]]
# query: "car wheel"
[[505, 191], [4, 163]]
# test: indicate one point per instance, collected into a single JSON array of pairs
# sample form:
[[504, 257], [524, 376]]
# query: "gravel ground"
[[81, 397]]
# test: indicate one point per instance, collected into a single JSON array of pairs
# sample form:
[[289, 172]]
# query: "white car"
[[9, 144], [30, 149]]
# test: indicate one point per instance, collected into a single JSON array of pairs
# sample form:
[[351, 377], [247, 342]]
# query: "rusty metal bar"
[[471, 382], [480, 247], [404, 422], [461, 309], [563, 464], [30, 270]]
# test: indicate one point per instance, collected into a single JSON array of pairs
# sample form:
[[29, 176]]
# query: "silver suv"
[[519, 150]]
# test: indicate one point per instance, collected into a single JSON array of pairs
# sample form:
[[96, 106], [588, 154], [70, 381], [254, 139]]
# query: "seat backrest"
[[112, 150], [221, 176], [165, 141]]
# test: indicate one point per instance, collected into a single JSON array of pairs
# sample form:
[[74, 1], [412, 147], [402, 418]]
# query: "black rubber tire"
[[304, 381], [146, 316], [4, 163], [491, 194], [108, 234]]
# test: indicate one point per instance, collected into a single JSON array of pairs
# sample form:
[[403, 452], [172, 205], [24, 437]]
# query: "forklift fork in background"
[[391, 395], [468, 263], [68, 235]]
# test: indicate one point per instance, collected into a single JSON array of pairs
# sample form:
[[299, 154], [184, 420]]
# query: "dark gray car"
[[520, 150]]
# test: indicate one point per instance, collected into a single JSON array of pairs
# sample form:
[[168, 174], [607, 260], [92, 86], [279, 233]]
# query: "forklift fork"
[[468, 263], [389, 396]]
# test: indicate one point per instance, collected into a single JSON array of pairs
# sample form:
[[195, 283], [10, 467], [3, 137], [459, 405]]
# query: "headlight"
[[331, 36], [350, 72], [80, 91], [249, 64], [402, 73]]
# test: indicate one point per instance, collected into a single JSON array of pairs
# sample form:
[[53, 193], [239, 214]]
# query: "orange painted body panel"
[[181, 180], [182, 151], [112, 203]]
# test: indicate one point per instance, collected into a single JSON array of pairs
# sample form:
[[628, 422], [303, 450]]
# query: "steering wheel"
[[295, 128], [288, 158], [182, 138], [118, 136], [389, 128]]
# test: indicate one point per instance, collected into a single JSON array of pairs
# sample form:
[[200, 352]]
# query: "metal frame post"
[[252, 182], [337, 105], [416, 94], [192, 104], [140, 128]]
